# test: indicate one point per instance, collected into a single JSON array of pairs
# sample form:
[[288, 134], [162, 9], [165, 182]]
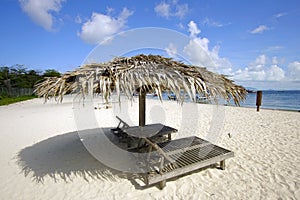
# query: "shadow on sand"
[[64, 157]]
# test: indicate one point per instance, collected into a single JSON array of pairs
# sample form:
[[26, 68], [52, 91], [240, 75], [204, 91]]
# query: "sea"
[[271, 99], [279, 100]]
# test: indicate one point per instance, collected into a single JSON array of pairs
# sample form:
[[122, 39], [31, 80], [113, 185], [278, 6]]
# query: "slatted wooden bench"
[[185, 155], [118, 131], [177, 157]]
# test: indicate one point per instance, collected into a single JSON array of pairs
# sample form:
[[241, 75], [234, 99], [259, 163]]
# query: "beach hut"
[[144, 74]]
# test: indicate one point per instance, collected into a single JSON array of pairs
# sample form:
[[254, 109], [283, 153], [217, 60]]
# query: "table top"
[[150, 130]]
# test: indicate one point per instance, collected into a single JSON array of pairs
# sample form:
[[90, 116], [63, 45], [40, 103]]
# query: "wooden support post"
[[222, 164], [148, 157], [142, 108], [258, 100], [162, 184], [161, 166]]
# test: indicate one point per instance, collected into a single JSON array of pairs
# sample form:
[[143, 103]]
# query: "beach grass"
[[9, 100]]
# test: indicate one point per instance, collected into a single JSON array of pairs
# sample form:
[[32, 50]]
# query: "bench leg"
[[169, 136], [222, 164], [162, 184]]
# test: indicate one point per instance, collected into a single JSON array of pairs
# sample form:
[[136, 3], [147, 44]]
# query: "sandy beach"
[[42, 156]]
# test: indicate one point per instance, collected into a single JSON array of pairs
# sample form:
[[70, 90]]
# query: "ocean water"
[[271, 99]]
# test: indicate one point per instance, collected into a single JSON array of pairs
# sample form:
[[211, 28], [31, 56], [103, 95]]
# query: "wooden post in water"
[[258, 100], [142, 108]]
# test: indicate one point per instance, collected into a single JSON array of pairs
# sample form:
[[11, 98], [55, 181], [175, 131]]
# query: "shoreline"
[[208, 103], [264, 108], [250, 107]]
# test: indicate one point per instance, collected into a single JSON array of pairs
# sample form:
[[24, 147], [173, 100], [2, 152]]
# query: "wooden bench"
[[176, 157], [134, 135], [123, 137], [182, 156], [118, 131]]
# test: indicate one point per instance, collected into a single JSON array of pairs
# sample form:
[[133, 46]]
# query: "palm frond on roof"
[[142, 73]]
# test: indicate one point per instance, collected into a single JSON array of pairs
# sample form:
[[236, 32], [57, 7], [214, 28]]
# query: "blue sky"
[[255, 42]]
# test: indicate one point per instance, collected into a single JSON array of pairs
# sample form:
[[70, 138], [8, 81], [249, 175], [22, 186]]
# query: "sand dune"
[[42, 156]]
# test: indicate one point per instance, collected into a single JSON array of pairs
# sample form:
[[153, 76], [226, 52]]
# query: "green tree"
[[51, 73], [5, 79], [17, 76]]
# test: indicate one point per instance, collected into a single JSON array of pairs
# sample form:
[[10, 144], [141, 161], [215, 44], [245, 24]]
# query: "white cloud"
[[193, 29], [41, 11], [275, 73], [125, 14], [278, 15], [109, 10], [261, 60], [259, 29], [293, 71], [163, 9], [275, 60], [264, 72], [171, 50], [101, 26], [259, 63], [78, 19], [172, 9], [181, 26], [271, 75], [210, 22], [262, 69], [181, 10], [199, 53]]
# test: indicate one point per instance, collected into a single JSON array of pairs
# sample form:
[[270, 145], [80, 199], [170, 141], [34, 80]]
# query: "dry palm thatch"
[[142, 73]]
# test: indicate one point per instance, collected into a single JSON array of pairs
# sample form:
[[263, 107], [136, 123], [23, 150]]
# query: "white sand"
[[42, 156]]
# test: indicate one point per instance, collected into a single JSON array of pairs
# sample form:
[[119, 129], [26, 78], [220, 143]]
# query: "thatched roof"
[[146, 72]]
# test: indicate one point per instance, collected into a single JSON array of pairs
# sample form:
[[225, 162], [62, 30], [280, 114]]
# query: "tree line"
[[19, 76]]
